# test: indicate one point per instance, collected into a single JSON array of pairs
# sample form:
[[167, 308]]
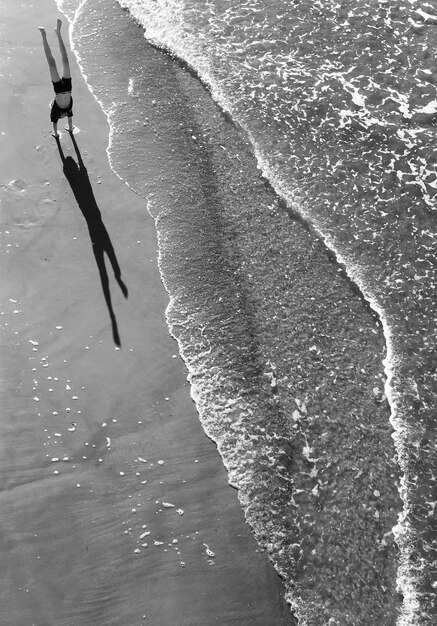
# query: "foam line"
[[405, 581], [401, 531]]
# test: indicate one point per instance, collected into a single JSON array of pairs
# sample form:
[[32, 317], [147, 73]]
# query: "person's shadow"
[[77, 176]]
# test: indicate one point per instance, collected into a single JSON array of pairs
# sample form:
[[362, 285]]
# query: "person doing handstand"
[[62, 105]]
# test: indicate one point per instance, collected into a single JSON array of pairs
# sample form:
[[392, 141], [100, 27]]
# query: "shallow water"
[[331, 110]]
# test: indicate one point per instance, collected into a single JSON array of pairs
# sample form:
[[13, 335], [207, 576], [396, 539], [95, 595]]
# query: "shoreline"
[[89, 423], [207, 230], [386, 383]]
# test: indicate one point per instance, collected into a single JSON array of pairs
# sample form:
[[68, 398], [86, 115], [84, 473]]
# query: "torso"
[[63, 99]]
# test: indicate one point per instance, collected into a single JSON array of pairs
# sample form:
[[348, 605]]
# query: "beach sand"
[[97, 441]]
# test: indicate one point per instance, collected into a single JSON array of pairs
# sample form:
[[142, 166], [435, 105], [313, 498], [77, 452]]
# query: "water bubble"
[[209, 552]]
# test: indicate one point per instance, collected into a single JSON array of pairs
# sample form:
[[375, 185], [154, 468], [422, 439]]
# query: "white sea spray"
[[184, 41]]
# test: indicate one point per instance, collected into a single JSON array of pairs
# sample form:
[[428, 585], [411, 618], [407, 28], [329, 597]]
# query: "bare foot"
[[42, 30], [58, 26]]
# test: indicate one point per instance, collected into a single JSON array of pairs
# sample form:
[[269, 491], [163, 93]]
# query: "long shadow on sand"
[[77, 176]]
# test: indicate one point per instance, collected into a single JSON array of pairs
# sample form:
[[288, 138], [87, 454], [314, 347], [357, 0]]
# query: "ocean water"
[[286, 153]]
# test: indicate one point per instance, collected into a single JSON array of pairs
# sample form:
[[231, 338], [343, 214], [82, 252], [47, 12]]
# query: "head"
[[70, 166]]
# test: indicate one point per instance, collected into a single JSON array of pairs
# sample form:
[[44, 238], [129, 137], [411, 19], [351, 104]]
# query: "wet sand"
[[101, 448]]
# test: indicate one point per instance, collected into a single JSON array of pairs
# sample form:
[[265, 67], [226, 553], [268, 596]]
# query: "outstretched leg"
[[64, 56], [54, 74]]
